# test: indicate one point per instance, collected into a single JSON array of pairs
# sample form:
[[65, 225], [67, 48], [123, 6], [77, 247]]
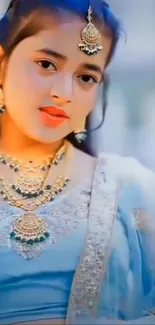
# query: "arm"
[[128, 292]]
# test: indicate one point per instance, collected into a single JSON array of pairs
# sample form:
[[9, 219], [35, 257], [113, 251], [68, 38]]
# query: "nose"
[[61, 90]]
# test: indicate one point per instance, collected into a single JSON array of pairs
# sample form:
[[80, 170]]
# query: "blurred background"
[[129, 127]]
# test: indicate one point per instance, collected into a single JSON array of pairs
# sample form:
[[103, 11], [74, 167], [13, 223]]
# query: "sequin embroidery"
[[85, 292]]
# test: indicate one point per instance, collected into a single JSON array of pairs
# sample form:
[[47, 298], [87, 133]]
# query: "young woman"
[[76, 231]]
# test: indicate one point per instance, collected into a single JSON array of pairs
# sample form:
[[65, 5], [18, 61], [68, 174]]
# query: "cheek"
[[22, 85], [86, 101], [22, 78]]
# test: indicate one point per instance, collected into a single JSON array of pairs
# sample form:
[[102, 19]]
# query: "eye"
[[88, 79], [47, 65]]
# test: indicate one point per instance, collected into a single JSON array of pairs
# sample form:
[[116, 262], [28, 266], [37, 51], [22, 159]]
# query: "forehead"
[[63, 35]]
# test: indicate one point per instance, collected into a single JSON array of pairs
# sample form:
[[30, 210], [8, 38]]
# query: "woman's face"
[[48, 74]]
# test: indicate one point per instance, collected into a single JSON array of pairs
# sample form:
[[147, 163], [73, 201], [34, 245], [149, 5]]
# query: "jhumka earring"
[[2, 106], [90, 37], [81, 133]]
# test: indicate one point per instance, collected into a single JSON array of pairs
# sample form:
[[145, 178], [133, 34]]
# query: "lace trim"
[[85, 292]]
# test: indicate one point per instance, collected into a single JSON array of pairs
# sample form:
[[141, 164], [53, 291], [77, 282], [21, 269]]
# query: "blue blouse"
[[40, 288]]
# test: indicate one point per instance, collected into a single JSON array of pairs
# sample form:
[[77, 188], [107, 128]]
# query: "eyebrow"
[[52, 53], [92, 67], [88, 66]]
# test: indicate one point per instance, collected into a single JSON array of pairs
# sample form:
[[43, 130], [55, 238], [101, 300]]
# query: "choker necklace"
[[15, 164], [31, 175]]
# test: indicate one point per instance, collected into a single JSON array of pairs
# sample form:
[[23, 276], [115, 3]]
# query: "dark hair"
[[24, 18]]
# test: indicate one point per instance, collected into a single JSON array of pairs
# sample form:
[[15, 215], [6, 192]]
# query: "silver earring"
[[81, 133], [2, 106]]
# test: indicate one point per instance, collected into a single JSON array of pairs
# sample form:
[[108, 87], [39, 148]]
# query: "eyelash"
[[94, 80], [45, 61]]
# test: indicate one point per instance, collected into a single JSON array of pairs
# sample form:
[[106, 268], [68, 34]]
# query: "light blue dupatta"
[[114, 282]]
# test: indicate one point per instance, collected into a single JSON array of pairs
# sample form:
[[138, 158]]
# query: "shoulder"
[[136, 182], [128, 170]]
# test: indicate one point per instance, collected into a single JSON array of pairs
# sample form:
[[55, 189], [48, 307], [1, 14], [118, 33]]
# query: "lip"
[[52, 116], [52, 110]]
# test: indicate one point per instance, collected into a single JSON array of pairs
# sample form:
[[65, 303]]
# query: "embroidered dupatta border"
[[85, 292]]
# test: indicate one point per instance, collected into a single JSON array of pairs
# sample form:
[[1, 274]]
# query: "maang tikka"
[[90, 37]]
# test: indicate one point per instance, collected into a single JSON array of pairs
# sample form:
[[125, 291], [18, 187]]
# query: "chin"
[[45, 135], [44, 138]]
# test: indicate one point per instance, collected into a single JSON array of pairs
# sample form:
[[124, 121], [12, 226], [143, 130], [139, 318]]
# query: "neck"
[[15, 143]]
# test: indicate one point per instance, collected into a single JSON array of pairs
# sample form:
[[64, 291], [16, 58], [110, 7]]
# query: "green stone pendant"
[[29, 235]]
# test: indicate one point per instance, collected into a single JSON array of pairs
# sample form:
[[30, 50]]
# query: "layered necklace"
[[29, 233]]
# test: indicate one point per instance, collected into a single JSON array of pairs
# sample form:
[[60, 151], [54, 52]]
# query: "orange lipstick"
[[52, 116]]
